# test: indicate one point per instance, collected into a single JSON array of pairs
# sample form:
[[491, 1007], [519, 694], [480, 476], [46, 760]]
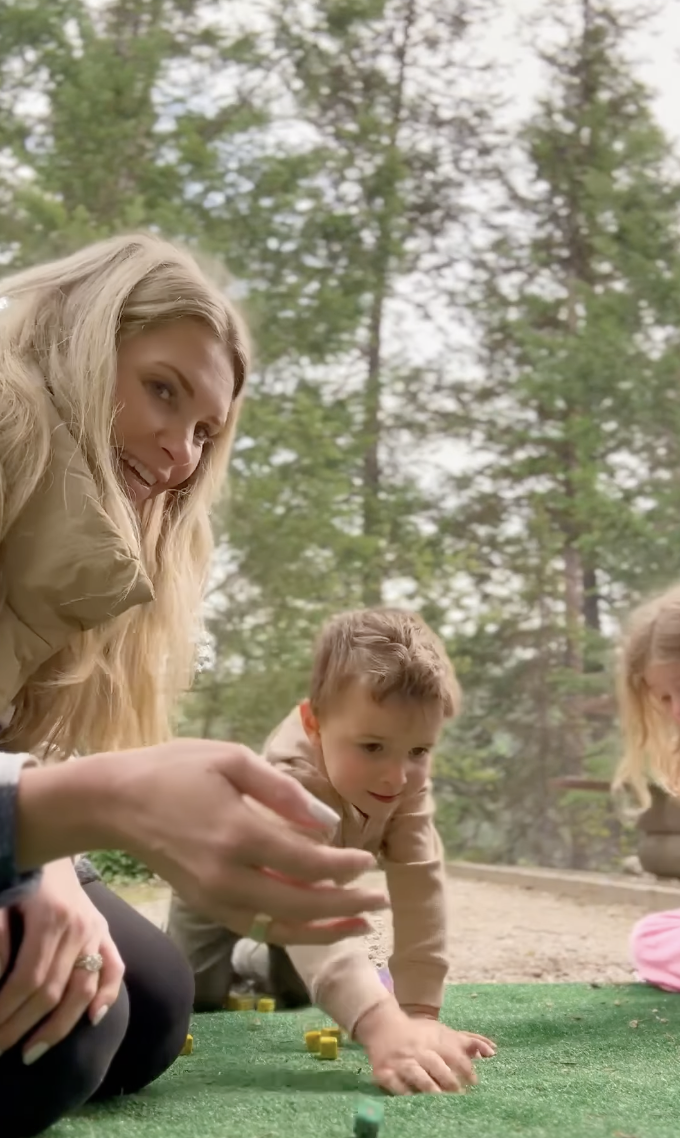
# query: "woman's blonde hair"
[[117, 686], [651, 738]]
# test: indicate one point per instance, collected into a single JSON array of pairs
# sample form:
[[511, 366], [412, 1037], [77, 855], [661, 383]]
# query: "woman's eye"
[[162, 389], [202, 433], [419, 752], [371, 748]]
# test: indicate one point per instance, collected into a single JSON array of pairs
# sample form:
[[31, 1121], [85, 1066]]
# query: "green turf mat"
[[573, 1062]]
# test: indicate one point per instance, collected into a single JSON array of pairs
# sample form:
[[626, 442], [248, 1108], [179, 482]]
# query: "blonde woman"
[[122, 369], [649, 695]]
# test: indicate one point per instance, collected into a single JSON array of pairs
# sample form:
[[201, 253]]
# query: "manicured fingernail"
[[96, 1020], [321, 813], [35, 1053]]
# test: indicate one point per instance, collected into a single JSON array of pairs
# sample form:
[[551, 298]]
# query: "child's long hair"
[[117, 686], [651, 738]]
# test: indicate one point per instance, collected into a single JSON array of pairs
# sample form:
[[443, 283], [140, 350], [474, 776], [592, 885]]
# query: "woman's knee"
[[161, 1004], [160, 989], [34, 1098]]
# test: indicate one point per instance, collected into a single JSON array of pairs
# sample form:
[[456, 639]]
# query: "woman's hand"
[[229, 860], [60, 925], [183, 808], [418, 1054]]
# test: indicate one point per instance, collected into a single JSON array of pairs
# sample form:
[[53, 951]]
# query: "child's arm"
[[406, 1053], [341, 980], [413, 860]]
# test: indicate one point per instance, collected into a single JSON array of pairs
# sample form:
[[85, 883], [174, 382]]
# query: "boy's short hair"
[[388, 651]]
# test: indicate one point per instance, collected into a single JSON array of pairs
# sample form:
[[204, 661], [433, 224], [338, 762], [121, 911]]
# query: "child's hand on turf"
[[477, 1046], [418, 1054]]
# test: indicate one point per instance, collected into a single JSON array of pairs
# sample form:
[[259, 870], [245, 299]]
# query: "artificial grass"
[[572, 1061]]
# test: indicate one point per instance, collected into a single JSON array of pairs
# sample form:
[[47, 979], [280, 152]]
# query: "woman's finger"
[[286, 933], [289, 877], [264, 842], [77, 996], [40, 998], [297, 904], [252, 776], [110, 980], [31, 969]]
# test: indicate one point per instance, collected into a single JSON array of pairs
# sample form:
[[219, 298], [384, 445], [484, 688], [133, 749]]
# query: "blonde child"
[[382, 688], [649, 699]]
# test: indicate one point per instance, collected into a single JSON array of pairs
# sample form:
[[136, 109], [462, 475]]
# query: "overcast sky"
[[657, 51], [655, 54]]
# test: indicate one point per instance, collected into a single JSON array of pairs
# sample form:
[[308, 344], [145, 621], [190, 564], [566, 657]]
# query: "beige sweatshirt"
[[341, 978]]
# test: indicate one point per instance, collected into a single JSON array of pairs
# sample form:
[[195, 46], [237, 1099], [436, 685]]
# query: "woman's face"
[[663, 683], [174, 389]]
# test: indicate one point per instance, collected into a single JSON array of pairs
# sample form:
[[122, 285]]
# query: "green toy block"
[[368, 1119]]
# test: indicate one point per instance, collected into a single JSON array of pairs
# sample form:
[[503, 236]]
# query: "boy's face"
[[375, 753]]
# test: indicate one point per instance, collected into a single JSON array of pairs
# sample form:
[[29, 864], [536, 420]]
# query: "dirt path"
[[505, 934]]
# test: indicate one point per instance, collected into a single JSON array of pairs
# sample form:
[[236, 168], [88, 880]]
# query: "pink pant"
[[386, 978], [655, 948]]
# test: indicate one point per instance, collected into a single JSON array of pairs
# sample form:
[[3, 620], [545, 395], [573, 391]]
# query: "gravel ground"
[[506, 934]]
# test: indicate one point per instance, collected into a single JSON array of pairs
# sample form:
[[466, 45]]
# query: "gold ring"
[[91, 962], [260, 927]]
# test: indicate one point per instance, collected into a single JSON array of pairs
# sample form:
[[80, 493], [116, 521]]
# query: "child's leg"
[[208, 948], [286, 983], [659, 853], [386, 978], [220, 958], [270, 969], [655, 948]]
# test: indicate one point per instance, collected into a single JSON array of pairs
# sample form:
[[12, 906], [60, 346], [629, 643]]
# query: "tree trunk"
[[372, 512], [591, 600], [374, 528]]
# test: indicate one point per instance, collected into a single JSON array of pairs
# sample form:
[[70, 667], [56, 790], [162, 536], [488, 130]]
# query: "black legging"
[[138, 1039]]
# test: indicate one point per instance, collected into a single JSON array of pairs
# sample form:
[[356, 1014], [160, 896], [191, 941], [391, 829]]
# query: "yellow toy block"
[[266, 1005], [235, 1002], [314, 1023], [312, 1040], [334, 1033], [328, 1047], [188, 1045]]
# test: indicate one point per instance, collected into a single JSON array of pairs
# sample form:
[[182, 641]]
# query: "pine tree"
[[362, 202], [576, 414], [100, 108]]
